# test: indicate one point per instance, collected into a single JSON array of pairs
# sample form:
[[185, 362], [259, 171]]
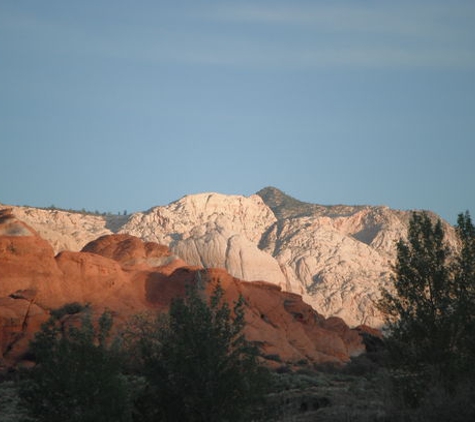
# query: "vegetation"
[[67, 309], [198, 365], [10, 407], [431, 319], [77, 377], [194, 364], [83, 211], [285, 206]]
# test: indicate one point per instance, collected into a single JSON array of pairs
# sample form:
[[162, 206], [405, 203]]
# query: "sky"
[[116, 105]]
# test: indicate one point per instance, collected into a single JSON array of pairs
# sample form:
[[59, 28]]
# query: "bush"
[[77, 378], [68, 309], [197, 362]]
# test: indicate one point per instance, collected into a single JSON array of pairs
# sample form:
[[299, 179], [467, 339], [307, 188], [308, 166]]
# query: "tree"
[[198, 363], [77, 376], [431, 310], [417, 312], [464, 291]]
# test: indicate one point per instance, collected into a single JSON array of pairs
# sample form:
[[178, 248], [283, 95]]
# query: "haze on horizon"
[[118, 105]]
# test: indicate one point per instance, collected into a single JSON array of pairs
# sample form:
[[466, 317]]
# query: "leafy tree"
[[431, 311], [464, 290], [198, 363], [418, 310], [77, 377]]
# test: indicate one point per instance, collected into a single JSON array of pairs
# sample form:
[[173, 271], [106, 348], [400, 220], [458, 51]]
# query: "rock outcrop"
[[341, 262], [127, 276], [213, 230], [336, 257], [67, 230]]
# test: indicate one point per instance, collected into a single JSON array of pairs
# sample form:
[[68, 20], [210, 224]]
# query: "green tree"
[[77, 377], [431, 310], [198, 363], [463, 324], [418, 310]]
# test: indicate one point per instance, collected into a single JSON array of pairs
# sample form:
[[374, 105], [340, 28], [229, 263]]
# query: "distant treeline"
[[82, 211]]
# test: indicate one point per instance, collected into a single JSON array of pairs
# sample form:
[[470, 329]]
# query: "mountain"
[[336, 257], [128, 276]]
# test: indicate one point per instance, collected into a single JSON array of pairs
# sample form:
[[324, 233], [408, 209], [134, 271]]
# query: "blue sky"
[[124, 105]]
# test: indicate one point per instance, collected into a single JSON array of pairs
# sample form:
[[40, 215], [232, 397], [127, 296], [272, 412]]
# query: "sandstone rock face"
[[340, 262], [25, 258], [213, 230], [191, 215], [130, 251], [127, 276], [284, 325], [336, 257], [65, 230], [219, 247], [20, 319]]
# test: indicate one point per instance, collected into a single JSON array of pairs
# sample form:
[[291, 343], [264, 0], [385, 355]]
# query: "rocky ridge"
[[64, 230], [336, 257], [128, 276]]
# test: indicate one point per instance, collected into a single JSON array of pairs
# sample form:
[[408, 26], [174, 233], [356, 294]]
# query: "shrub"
[[76, 377], [197, 362], [68, 309]]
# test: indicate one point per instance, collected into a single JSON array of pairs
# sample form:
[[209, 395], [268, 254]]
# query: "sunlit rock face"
[[128, 276], [339, 273], [341, 255], [65, 230], [336, 257]]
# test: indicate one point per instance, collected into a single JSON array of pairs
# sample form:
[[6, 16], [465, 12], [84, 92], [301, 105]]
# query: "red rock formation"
[[130, 251], [19, 320], [284, 325], [127, 276], [26, 260]]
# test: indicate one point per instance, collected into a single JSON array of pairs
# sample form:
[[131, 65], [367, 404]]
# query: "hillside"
[[336, 257], [127, 276]]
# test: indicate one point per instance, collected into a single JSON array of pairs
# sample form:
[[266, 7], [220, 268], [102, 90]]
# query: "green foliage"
[[77, 378], [68, 309], [198, 363], [285, 206], [464, 291], [431, 314], [419, 311], [10, 409]]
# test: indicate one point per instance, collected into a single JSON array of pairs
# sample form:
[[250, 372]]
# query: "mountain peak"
[[284, 205]]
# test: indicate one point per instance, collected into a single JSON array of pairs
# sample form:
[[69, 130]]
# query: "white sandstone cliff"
[[337, 258]]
